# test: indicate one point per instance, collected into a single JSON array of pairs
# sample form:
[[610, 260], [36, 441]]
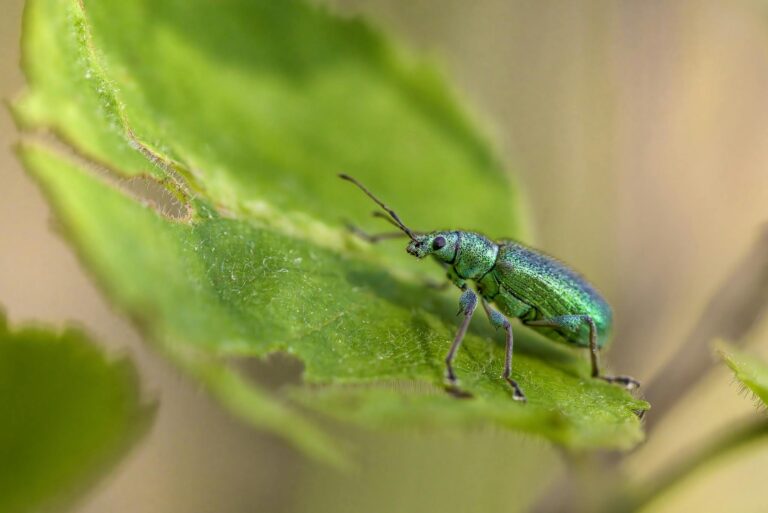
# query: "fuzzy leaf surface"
[[749, 370]]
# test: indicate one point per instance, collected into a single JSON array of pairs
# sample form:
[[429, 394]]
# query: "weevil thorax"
[[476, 255]]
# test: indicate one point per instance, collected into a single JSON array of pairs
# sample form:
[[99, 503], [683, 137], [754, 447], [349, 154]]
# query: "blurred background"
[[638, 130]]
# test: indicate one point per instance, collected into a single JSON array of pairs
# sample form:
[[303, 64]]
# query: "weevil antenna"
[[380, 203]]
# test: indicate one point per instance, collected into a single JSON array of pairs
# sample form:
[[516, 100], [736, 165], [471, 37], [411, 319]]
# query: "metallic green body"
[[521, 282]]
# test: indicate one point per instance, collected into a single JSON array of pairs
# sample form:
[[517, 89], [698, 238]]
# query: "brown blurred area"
[[638, 130]]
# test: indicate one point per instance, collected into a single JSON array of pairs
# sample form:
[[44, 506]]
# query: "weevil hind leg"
[[467, 305], [572, 322], [499, 321]]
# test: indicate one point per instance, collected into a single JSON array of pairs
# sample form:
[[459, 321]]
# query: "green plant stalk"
[[743, 299], [734, 309], [643, 495]]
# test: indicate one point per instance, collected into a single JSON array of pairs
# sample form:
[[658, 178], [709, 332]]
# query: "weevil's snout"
[[418, 247], [440, 244]]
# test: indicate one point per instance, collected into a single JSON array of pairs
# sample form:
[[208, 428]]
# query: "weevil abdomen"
[[529, 277]]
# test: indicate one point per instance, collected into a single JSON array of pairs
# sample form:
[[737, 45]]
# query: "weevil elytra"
[[520, 281]]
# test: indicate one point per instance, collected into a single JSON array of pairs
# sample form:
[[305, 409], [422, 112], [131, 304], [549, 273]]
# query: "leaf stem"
[[730, 441], [734, 309]]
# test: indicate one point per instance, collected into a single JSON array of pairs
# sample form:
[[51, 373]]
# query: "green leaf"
[[749, 370], [246, 111], [68, 414], [263, 102]]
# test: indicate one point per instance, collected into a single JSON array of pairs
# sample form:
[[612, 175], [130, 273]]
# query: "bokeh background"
[[639, 131]]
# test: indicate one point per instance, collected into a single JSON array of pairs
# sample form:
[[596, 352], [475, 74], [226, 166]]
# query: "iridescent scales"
[[522, 282]]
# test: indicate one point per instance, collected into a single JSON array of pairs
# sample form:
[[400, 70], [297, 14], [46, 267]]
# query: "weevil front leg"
[[499, 321], [572, 323], [373, 238], [467, 305]]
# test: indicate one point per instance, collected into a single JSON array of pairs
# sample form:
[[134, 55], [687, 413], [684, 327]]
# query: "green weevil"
[[522, 282]]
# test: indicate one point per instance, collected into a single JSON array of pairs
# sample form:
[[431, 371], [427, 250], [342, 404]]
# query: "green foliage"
[[68, 413], [257, 105], [749, 370]]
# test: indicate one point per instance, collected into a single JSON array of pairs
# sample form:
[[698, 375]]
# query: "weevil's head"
[[442, 245]]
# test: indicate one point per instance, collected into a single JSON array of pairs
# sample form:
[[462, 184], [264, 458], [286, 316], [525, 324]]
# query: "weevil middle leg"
[[499, 321], [571, 322]]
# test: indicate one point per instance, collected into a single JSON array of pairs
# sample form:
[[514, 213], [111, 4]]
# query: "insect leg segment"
[[456, 279], [572, 323], [374, 237], [467, 305], [627, 382], [499, 321], [467, 302]]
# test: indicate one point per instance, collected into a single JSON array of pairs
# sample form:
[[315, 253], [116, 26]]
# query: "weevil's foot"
[[456, 391], [517, 393], [625, 381], [452, 385], [640, 413]]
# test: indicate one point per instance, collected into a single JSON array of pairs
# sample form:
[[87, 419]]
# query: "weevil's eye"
[[438, 243]]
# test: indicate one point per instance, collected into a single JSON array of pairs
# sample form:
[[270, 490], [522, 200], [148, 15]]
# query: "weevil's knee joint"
[[497, 319], [468, 301]]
